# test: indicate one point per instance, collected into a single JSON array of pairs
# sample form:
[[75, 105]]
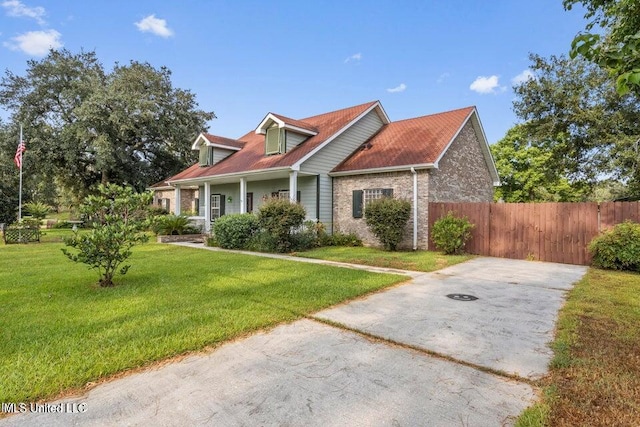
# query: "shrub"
[[450, 233], [263, 241], [280, 218], [234, 231], [37, 210], [617, 248], [62, 224], [342, 239], [307, 236], [172, 225], [387, 219], [157, 210]]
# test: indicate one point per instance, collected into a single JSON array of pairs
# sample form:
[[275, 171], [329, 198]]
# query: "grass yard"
[[405, 260], [58, 331], [595, 374]]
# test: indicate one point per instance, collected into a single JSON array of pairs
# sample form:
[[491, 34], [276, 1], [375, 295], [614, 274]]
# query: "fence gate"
[[555, 232]]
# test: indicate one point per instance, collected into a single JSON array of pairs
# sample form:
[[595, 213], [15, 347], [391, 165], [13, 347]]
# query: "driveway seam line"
[[427, 352]]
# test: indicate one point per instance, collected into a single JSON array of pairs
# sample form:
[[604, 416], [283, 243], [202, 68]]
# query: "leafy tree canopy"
[[527, 173], [617, 49], [85, 125], [577, 126]]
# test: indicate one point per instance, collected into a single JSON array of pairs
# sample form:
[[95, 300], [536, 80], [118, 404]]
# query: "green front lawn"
[[595, 374], [404, 260], [58, 331]]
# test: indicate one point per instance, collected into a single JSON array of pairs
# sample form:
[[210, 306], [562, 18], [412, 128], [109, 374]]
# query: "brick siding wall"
[[463, 174], [402, 185]]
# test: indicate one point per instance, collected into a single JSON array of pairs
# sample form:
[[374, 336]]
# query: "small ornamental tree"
[[280, 218], [387, 219], [37, 210], [450, 233], [117, 216]]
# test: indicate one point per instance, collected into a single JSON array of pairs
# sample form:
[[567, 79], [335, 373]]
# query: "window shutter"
[[210, 155], [222, 203], [204, 152], [298, 196], [357, 203], [272, 141], [387, 192]]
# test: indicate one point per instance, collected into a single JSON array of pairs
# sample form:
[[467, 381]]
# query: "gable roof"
[[299, 126], [418, 141], [252, 156], [217, 141]]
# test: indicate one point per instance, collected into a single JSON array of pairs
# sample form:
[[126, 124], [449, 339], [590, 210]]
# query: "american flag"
[[17, 159]]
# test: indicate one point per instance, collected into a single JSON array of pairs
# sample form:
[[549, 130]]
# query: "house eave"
[[402, 168], [230, 175], [262, 127]]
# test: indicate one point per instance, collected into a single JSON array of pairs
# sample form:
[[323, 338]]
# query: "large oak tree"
[[86, 125]]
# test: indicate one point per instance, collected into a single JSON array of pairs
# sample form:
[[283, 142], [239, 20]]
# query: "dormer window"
[[281, 133], [274, 140], [206, 155]]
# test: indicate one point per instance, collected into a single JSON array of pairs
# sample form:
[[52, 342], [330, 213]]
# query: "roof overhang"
[[256, 175], [402, 168], [270, 118], [203, 140]]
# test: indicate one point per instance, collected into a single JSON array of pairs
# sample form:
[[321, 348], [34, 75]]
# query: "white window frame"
[[216, 206]]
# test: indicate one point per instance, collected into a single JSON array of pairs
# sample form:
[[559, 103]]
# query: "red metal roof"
[[220, 140], [421, 140], [252, 156], [297, 123]]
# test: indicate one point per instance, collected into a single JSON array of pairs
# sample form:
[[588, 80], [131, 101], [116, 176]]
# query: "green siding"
[[335, 152], [294, 139], [220, 154]]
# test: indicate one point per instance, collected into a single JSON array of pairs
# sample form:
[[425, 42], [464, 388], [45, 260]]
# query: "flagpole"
[[20, 190]]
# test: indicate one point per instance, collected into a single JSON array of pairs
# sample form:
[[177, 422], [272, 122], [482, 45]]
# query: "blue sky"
[[244, 59]]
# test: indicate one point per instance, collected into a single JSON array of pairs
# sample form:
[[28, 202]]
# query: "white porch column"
[[178, 200], [293, 186], [243, 195], [207, 207]]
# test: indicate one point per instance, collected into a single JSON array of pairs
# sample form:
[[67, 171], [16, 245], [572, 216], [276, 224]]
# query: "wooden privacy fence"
[[555, 232]]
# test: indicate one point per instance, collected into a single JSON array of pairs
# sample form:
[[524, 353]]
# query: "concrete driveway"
[[406, 356]]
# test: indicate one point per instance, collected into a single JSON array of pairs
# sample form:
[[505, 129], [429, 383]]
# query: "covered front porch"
[[218, 196]]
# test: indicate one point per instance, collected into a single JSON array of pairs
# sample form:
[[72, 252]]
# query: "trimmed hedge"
[[234, 231], [387, 218], [280, 218]]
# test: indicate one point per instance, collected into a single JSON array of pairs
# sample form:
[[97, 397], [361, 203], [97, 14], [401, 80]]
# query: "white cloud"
[[522, 77], [400, 88], [484, 85], [17, 8], [153, 25], [443, 77], [36, 43], [354, 57]]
